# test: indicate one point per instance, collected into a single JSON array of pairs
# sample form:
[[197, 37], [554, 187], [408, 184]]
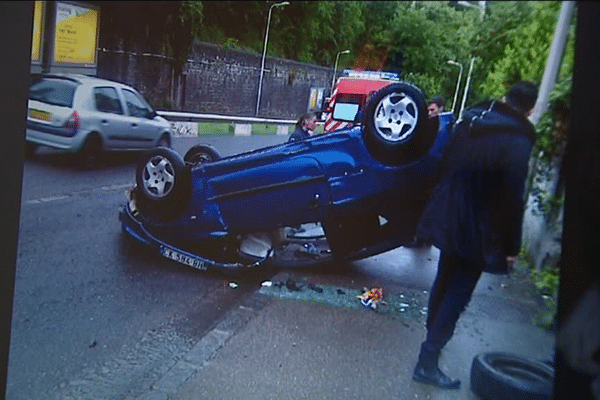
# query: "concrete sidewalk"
[[306, 340]]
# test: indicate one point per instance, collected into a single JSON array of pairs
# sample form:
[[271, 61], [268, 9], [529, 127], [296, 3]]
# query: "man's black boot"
[[427, 371]]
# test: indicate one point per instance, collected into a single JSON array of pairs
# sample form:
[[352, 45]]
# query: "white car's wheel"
[[91, 151], [163, 141]]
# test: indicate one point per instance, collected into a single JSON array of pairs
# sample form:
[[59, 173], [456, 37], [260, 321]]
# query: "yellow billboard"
[[76, 34], [36, 41]]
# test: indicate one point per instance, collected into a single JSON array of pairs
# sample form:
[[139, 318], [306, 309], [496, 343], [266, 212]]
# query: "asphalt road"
[[97, 316], [91, 310]]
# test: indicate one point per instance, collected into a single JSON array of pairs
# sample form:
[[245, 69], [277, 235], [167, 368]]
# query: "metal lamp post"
[[262, 65], [337, 58], [464, 100], [457, 82], [481, 7]]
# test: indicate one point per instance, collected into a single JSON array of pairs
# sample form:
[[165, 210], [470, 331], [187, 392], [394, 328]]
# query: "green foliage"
[[416, 38], [230, 43], [164, 27], [548, 152], [425, 37], [181, 30], [546, 282], [525, 55]]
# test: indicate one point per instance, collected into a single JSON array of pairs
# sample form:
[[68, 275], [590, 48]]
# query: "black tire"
[[163, 184], [91, 151], [501, 376], [395, 125], [164, 141], [200, 154], [30, 149]]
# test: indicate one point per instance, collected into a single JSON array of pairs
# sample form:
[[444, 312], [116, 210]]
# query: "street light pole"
[[481, 7], [464, 100], [335, 67], [553, 63], [262, 65], [457, 82]]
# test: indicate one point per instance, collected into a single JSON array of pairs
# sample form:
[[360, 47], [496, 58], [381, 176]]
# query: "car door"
[[110, 117], [273, 194], [143, 132]]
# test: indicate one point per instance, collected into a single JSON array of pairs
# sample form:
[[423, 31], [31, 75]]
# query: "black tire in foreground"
[[502, 376], [395, 126], [200, 154], [164, 141], [163, 184], [30, 149], [91, 152]]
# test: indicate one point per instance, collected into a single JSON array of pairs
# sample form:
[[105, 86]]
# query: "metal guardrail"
[[185, 124], [196, 117]]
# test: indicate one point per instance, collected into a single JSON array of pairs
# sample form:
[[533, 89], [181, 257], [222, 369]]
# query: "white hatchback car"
[[87, 115]]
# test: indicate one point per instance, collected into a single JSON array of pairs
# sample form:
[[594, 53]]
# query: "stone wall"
[[220, 81], [149, 74]]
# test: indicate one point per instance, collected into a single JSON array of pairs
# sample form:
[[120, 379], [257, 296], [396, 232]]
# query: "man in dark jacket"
[[475, 213]]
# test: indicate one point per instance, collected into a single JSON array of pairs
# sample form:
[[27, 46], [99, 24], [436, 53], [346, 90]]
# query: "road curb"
[[205, 349]]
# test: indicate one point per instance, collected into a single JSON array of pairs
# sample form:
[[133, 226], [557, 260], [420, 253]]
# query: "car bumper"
[[134, 228], [52, 137]]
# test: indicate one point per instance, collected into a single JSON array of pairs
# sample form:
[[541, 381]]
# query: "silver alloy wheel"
[[396, 117], [158, 177]]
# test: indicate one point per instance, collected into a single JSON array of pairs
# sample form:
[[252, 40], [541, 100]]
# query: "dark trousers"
[[451, 291]]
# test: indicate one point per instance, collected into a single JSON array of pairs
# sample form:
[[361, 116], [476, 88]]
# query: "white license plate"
[[182, 258]]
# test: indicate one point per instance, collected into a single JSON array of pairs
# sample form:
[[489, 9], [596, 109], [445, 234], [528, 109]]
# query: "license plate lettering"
[[183, 259]]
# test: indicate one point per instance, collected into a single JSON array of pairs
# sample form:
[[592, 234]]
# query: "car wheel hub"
[[396, 117], [158, 177]]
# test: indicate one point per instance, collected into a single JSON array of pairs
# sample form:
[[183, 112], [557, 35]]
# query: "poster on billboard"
[[38, 28], [315, 99], [75, 34]]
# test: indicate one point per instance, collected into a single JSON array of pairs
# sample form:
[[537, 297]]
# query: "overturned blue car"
[[336, 197]]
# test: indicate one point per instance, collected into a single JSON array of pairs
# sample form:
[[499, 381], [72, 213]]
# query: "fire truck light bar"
[[371, 74]]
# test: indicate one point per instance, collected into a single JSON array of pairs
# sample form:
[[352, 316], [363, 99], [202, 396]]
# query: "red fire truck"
[[350, 94]]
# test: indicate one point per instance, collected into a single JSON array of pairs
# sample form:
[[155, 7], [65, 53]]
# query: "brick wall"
[[220, 81]]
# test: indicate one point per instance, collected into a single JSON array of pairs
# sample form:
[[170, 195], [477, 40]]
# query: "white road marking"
[[62, 197]]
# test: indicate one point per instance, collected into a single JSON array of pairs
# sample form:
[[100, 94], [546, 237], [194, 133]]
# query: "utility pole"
[[466, 92], [554, 60]]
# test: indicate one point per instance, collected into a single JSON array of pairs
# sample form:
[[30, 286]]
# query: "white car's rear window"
[[57, 92]]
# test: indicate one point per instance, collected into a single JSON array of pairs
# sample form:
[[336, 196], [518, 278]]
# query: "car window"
[[107, 100], [57, 92], [136, 106], [346, 107], [345, 111]]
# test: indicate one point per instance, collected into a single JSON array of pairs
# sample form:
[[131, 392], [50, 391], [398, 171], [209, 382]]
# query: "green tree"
[[238, 23], [314, 31], [162, 27], [423, 38], [526, 52], [491, 36]]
